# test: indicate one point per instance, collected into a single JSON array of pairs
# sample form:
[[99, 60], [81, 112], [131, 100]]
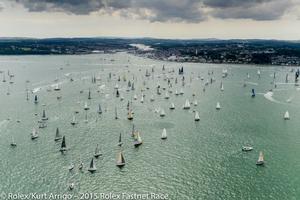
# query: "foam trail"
[[269, 96]]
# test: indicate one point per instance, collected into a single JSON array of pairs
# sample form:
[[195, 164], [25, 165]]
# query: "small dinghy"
[[80, 167], [71, 167], [247, 148], [71, 186]]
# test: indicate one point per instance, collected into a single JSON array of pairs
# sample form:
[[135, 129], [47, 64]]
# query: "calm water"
[[199, 160]]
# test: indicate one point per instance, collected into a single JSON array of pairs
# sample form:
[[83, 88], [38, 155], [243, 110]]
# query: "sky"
[[182, 19]]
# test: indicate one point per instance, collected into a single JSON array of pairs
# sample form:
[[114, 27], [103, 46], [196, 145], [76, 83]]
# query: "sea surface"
[[199, 160]]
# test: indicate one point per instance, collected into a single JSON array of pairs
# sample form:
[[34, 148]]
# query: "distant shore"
[[262, 52]]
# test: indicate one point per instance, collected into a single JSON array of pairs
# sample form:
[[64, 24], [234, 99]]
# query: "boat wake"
[[269, 96], [251, 83], [3, 123]]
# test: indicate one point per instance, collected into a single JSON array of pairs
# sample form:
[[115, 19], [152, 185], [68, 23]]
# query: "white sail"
[[195, 103], [218, 106], [197, 117], [120, 159], [260, 160], [34, 134], [162, 113], [172, 106], [286, 115], [187, 104], [167, 95], [164, 134]]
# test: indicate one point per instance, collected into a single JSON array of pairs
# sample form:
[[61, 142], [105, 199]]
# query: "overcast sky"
[[272, 19]]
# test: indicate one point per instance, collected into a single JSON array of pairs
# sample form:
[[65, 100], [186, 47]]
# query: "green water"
[[199, 160]]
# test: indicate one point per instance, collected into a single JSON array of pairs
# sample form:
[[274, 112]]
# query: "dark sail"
[[92, 163], [57, 132], [122, 158], [89, 97], [63, 143]]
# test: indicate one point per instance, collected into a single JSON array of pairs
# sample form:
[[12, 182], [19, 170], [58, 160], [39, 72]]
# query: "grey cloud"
[[256, 10], [191, 11]]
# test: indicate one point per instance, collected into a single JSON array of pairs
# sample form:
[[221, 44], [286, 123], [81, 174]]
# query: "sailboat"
[[195, 103], [57, 135], [71, 186], [176, 93], [218, 106], [92, 167], [34, 134], [197, 117], [71, 166], [253, 93], [97, 152], [63, 146], [222, 87], [187, 105], [80, 167], [120, 159], [74, 122], [260, 160], [44, 117], [89, 95], [142, 99], [181, 92], [120, 143], [86, 106], [13, 143], [133, 131], [56, 87], [116, 113], [86, 118], [138, 140], [36, 99], [162, 113], [167, 95], [135, 97], [152, 98], [286, 115], [172, 106], [130, 115], [99, 109], [164, 134]]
